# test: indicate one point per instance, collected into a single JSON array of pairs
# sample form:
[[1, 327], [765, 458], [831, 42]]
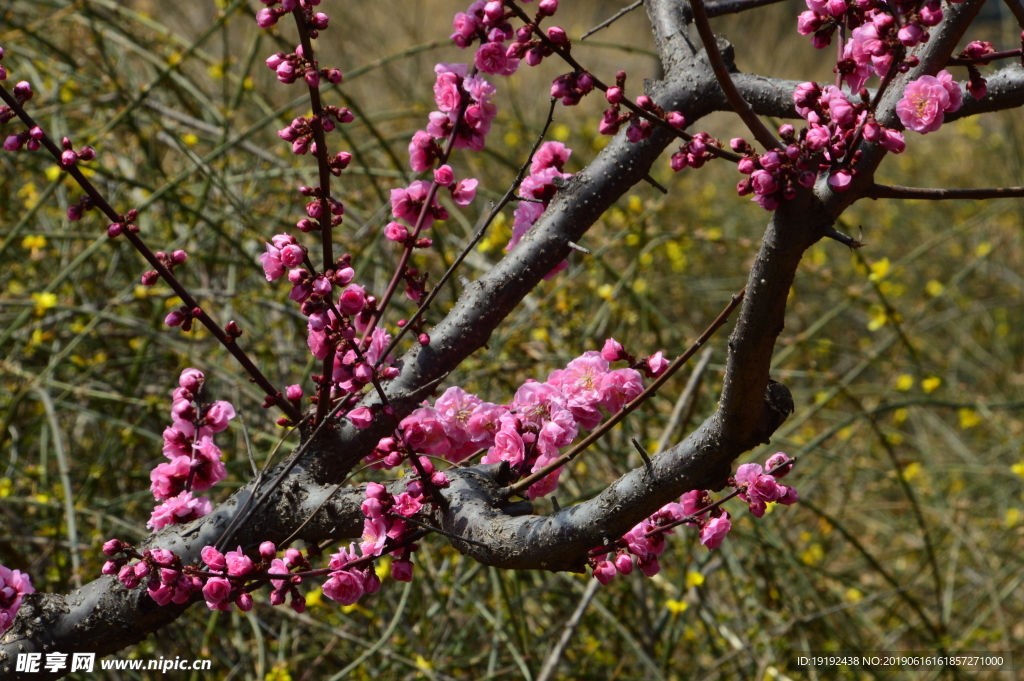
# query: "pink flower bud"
[[613, 350], [268, 550], [548, 7], [112, 547], [444, 175], [244, 601], [275, 60], [401, 570], [313, 80], [624, 563], [557, 35], [294, 392], [614, 95], [23, 91], [657, 364], [676, 120], [266, 18], [175, 318]]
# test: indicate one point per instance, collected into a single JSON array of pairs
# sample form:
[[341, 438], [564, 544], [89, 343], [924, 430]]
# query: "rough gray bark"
[[103, 617]]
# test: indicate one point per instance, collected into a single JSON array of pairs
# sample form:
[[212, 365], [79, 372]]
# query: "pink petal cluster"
[[926, 101], [13, 585], [545, 167], [195, 461], [346, 585], [833, 125], [528, 433], [760, 489]]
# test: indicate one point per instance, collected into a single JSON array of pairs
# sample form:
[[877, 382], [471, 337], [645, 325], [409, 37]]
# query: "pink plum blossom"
[[712, 534], [345, 587], [179, 509], [605, 571]]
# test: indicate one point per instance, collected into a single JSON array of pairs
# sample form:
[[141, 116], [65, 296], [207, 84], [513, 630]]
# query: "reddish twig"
[[692, 518], [509, 196], [179, 289], [600, 85], [326, 240], [985, 59], [410, 243]]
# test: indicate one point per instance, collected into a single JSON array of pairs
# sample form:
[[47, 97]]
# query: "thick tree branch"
[[103, 617]]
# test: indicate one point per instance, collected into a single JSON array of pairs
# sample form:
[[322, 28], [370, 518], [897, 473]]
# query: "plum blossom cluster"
[[22, 92], [194, 460], [645, 542], [640, 128], [540, 185], [465, 103], [876, 36], [168, 260], [332, 325], [225, 579], [13, 583], [161, 570], [387, 516], [528, 432], [300, 133], [488, 22]]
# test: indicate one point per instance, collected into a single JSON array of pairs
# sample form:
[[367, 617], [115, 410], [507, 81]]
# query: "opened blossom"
[[926, 101]]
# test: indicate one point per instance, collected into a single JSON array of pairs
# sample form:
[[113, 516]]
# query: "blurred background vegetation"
[[905, 358]]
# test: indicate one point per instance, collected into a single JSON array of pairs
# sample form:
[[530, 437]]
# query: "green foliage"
[[904, 358]]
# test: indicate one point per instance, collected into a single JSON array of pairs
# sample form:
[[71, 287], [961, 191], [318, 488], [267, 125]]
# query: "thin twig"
[[611, 20], [984, 59], [833, 233], [882, 191], [143, 249], [425, 526]]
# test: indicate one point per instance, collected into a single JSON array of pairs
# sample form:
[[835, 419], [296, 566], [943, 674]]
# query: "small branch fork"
[[179, 289], [760, 131], [599, 432], [600, 85]]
